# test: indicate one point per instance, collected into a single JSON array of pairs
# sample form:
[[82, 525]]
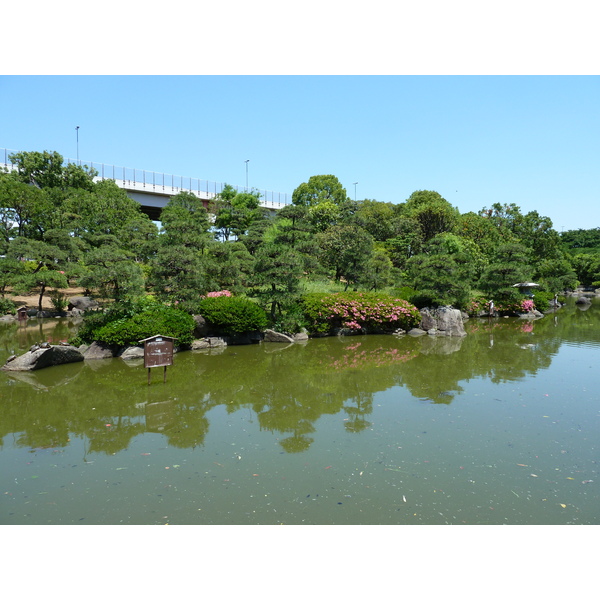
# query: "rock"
[[99, 350], [132, 352], [275, 336], [209, 342], [300, 337], [445, 319], [583, 300], [82, 303], [44, 314], [200, 344], [417, 331], [201, 329], [44, 357]]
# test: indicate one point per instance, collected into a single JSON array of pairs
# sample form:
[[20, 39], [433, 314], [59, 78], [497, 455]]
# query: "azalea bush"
[[218, 294], [357, 311]]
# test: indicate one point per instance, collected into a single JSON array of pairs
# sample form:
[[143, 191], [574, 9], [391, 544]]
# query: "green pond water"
[[499, 427]]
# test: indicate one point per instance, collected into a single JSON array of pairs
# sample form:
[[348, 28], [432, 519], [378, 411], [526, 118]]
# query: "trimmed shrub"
[[7, 307], [358, 310], [232, 315], [128, 323]]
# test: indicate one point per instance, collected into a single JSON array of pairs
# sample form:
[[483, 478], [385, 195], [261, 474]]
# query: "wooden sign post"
[[158, 352], [22, 315]]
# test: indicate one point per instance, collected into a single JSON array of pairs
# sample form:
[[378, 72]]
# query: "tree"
[[105, 210], [433, 213], [278, 269], [557, 275], [509, 266], [380, 219], [235, 212], [47, 266], [113, 273], [24, 208], [45, 170], [378, 271], [228, 266], [178, 274], [319, 188], [346, 249]]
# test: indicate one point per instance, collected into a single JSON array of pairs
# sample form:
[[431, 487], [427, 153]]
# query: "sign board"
[[158, 352]]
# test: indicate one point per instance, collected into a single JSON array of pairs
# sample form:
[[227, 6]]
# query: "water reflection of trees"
[[109, 403]]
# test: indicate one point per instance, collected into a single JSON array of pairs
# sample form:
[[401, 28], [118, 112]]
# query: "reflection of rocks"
[[44, 380], [41, 357], [444, 319], [441, 345]]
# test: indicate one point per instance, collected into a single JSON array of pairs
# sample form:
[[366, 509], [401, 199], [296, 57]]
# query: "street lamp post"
[[77, 130], [247, 161], [355, 184]]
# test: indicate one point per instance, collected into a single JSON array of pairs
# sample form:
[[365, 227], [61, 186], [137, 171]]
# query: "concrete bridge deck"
[[153, 190]]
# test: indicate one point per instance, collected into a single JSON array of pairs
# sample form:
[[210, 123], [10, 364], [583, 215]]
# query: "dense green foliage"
[[128, 323], [232, 315], [59, 228]]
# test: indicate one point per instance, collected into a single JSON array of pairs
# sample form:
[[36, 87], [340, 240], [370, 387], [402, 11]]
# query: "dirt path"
[[31, 300]]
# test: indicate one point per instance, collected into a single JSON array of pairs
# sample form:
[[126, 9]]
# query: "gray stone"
[[200, 344], [99, 350], [209, 342], [445, 319], [275, 336], [201, 329], [44, 357], [300, 337], [132, 352], [82, 303], [583, 300], [415, 331]]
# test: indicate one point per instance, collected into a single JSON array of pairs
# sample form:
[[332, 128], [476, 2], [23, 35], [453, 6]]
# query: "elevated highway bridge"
[[153, 190]]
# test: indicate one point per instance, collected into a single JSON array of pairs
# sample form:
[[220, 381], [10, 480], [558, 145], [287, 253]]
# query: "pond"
[[498, 427]]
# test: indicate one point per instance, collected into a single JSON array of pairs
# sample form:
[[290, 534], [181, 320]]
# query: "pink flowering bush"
[[358, 311], [527, 305], [218, 294]]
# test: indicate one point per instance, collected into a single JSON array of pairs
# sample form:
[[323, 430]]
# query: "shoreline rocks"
[[40, 358]]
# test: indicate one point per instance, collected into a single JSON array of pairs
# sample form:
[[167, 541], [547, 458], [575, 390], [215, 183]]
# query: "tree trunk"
[[42, 290]]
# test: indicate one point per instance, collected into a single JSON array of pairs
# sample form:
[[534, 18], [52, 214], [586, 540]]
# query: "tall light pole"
[[355, 184], [77, 130], [247, 161]]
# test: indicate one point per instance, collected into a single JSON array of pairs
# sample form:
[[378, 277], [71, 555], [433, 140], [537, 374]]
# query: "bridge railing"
[[152, 180]]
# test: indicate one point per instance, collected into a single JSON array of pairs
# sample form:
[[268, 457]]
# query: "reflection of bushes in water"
[[354, 358], [296, 443]]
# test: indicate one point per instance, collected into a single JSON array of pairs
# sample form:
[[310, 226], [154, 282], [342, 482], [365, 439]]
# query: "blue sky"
[[477, 140]]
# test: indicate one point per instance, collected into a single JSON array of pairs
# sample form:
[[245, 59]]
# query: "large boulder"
[[40, 358], [132, 352], [82, 303], [443, 319], [275, 336], [99, 350], [201, 329]]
